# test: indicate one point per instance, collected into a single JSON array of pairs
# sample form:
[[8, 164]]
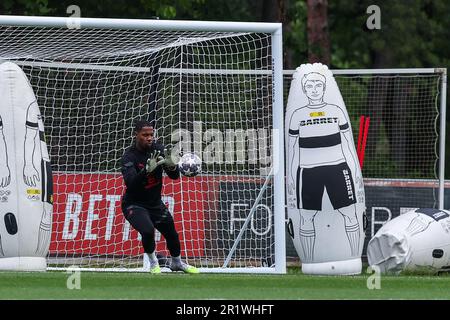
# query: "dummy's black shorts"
[[336, 178]]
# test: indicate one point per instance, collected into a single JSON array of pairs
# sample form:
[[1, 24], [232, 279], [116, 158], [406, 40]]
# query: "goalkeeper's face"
[[144, 138]]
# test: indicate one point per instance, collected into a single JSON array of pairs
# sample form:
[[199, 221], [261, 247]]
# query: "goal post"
[[94, 77]]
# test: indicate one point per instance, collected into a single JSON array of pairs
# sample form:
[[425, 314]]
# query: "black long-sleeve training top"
[[143, 189]]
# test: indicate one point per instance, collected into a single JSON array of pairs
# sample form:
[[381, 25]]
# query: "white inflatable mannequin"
[[25, 176], [325, 199], [417, 240]]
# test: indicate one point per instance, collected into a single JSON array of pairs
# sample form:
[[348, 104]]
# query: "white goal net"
[[94, 82]]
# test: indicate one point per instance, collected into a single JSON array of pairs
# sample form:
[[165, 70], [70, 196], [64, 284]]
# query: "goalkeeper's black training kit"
[[143, 189], [142, 205]]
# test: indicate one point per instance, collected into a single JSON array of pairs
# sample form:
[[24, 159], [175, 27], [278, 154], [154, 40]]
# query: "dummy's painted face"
[[314, 89]]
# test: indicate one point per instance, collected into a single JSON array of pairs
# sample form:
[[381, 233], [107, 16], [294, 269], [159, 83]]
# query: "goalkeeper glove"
[[171, 158], [154, 161]]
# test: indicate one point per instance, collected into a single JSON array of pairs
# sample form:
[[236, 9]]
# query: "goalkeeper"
[[142, 167]]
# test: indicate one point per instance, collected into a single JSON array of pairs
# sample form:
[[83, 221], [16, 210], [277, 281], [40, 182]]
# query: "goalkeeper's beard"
[[149, 146], [146, 147]]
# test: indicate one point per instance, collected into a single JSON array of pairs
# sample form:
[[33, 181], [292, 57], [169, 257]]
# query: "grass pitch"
[[292, 286]]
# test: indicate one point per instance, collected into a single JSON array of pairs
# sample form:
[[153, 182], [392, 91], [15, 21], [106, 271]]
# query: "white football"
[[190, 165]]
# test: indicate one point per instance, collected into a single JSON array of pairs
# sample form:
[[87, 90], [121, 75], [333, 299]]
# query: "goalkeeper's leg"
[[167, 229], [140, 220]]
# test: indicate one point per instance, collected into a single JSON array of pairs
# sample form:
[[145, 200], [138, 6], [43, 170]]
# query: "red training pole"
[[364, 141]]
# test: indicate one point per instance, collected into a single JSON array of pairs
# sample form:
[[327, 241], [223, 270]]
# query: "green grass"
[[294, 285]]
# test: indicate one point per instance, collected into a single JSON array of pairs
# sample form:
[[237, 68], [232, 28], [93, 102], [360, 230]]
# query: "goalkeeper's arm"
[[132, 178]]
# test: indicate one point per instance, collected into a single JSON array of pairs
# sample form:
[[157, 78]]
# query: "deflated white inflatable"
[[325, 199], [25, 176], [417, 240]]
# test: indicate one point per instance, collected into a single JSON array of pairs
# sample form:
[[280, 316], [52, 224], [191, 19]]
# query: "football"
[[190, 165]]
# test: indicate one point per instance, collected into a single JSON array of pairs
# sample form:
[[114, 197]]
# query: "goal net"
[[402, 167], [92, 83]]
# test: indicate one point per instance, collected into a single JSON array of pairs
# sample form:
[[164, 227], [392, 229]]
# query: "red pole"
[[364, 141]]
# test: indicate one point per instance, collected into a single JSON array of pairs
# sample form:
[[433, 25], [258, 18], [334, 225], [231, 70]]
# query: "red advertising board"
[[88, 219]]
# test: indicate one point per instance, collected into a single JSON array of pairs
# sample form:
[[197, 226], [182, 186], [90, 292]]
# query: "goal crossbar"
[[139, 24]]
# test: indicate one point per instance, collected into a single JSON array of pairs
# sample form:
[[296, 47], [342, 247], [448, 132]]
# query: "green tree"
[[24, 7], [411, 36]]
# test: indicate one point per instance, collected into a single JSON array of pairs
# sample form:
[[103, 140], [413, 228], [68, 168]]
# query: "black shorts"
[[157, 215], [338, 181]]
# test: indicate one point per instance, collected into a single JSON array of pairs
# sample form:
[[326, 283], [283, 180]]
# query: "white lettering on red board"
[[74, 210]]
